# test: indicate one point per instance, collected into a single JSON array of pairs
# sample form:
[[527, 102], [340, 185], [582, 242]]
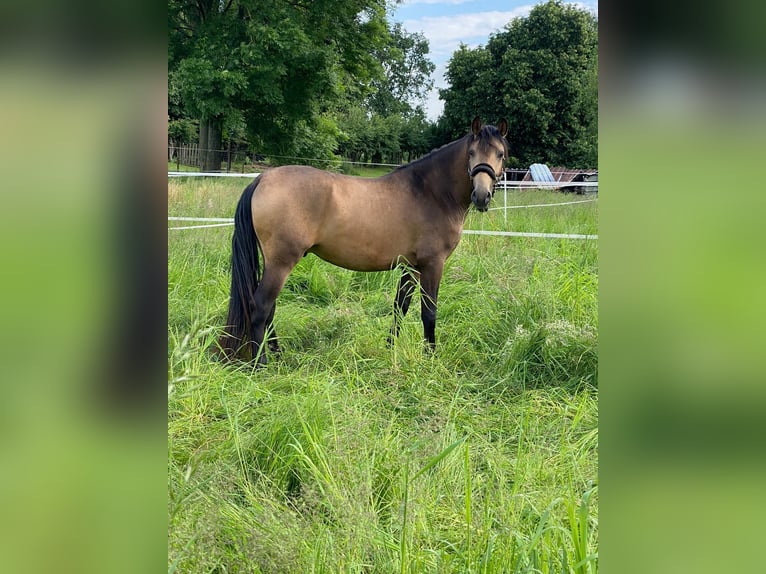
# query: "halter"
[[485, 168]]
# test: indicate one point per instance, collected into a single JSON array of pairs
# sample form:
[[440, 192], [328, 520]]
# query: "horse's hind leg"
[[273, 342], [271, 284], [402, 302]]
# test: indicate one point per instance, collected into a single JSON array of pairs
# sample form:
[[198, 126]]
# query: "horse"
[[412, 216]]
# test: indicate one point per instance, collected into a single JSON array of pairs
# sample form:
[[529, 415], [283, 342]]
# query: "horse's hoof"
[[261, 361]]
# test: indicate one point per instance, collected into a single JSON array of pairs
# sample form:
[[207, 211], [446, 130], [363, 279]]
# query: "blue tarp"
[[541, 172]]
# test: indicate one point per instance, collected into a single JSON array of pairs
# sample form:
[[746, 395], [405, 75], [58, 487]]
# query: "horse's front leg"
[[430, 277], [402, 302]]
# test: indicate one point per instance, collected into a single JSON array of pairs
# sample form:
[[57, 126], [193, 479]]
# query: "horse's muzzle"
[[481, 200]]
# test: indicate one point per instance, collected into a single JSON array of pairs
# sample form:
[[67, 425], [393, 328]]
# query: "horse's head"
[[487, 151]]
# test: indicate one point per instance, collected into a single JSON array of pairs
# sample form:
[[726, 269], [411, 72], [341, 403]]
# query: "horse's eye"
[[500, 156], [471, 153]]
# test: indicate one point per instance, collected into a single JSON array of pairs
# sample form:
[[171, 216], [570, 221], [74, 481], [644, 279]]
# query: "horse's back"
[[289, 202], [357, 223]]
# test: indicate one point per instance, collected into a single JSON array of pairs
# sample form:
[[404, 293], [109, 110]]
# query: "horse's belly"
[[364, 256]]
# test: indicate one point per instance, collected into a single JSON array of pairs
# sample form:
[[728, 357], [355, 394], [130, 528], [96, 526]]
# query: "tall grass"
[[346, 456]]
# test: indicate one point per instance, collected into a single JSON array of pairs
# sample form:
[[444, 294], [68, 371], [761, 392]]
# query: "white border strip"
[[227, 222], [231, 220], [201, 226], [545, 184], [209, 174], [226, 219], [541, 204], [529, 234]]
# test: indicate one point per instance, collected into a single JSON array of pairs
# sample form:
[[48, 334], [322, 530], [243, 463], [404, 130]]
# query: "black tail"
[[246, 273]]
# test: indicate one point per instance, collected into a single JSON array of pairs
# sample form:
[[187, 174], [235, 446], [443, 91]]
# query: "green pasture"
[[173, 166], [346, 456]]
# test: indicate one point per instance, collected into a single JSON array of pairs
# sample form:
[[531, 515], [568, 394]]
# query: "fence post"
[[505, 198]]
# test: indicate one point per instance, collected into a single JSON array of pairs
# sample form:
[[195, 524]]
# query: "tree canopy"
[[539, 72], [316, 78], [285, 70]]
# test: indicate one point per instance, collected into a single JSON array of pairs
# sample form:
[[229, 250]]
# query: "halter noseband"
[[485, 168]]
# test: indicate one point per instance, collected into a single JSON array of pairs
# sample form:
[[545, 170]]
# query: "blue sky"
[[447, 23]]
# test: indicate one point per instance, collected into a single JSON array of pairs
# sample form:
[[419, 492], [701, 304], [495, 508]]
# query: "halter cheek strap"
[[484, 168]]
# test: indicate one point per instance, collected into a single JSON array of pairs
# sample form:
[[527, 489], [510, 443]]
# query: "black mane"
[[428, 156], [486, 132]]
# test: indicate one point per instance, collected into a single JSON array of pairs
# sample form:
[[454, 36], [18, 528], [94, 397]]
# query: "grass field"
[[347, 456]]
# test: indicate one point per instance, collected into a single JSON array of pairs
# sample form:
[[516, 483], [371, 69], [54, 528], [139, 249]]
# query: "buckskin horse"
[[412, 216]]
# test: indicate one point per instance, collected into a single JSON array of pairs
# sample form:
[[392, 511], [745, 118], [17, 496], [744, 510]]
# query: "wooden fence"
[[185, 155], [189, 155]]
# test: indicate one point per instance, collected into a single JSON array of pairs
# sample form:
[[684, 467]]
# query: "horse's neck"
[[443, 174], [460, 183]]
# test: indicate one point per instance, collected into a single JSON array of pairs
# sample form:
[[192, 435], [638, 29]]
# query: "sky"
[[447, 23]]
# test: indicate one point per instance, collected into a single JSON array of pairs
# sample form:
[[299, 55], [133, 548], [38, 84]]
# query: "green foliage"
[[275, 65], [389, 126], [293, 81], [471, 89], [317, 141], [370, 137], [407, 74], [540, 73], [183, 130], [300, 79]]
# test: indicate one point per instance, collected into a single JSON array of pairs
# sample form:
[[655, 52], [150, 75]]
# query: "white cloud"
[[591, 7], [433, 106], [410, 2], [445, 33]]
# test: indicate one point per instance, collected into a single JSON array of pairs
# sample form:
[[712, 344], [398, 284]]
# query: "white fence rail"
[[503, 184], [211, 174]]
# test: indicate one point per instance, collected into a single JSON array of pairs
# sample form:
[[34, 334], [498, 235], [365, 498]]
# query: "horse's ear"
[[502, 127], [476, 126]]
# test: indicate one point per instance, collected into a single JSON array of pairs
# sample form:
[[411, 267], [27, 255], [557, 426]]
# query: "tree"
[[540, 72], [277, 65], [470, 90], [407, 74], [201, 69], [389, 126]]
